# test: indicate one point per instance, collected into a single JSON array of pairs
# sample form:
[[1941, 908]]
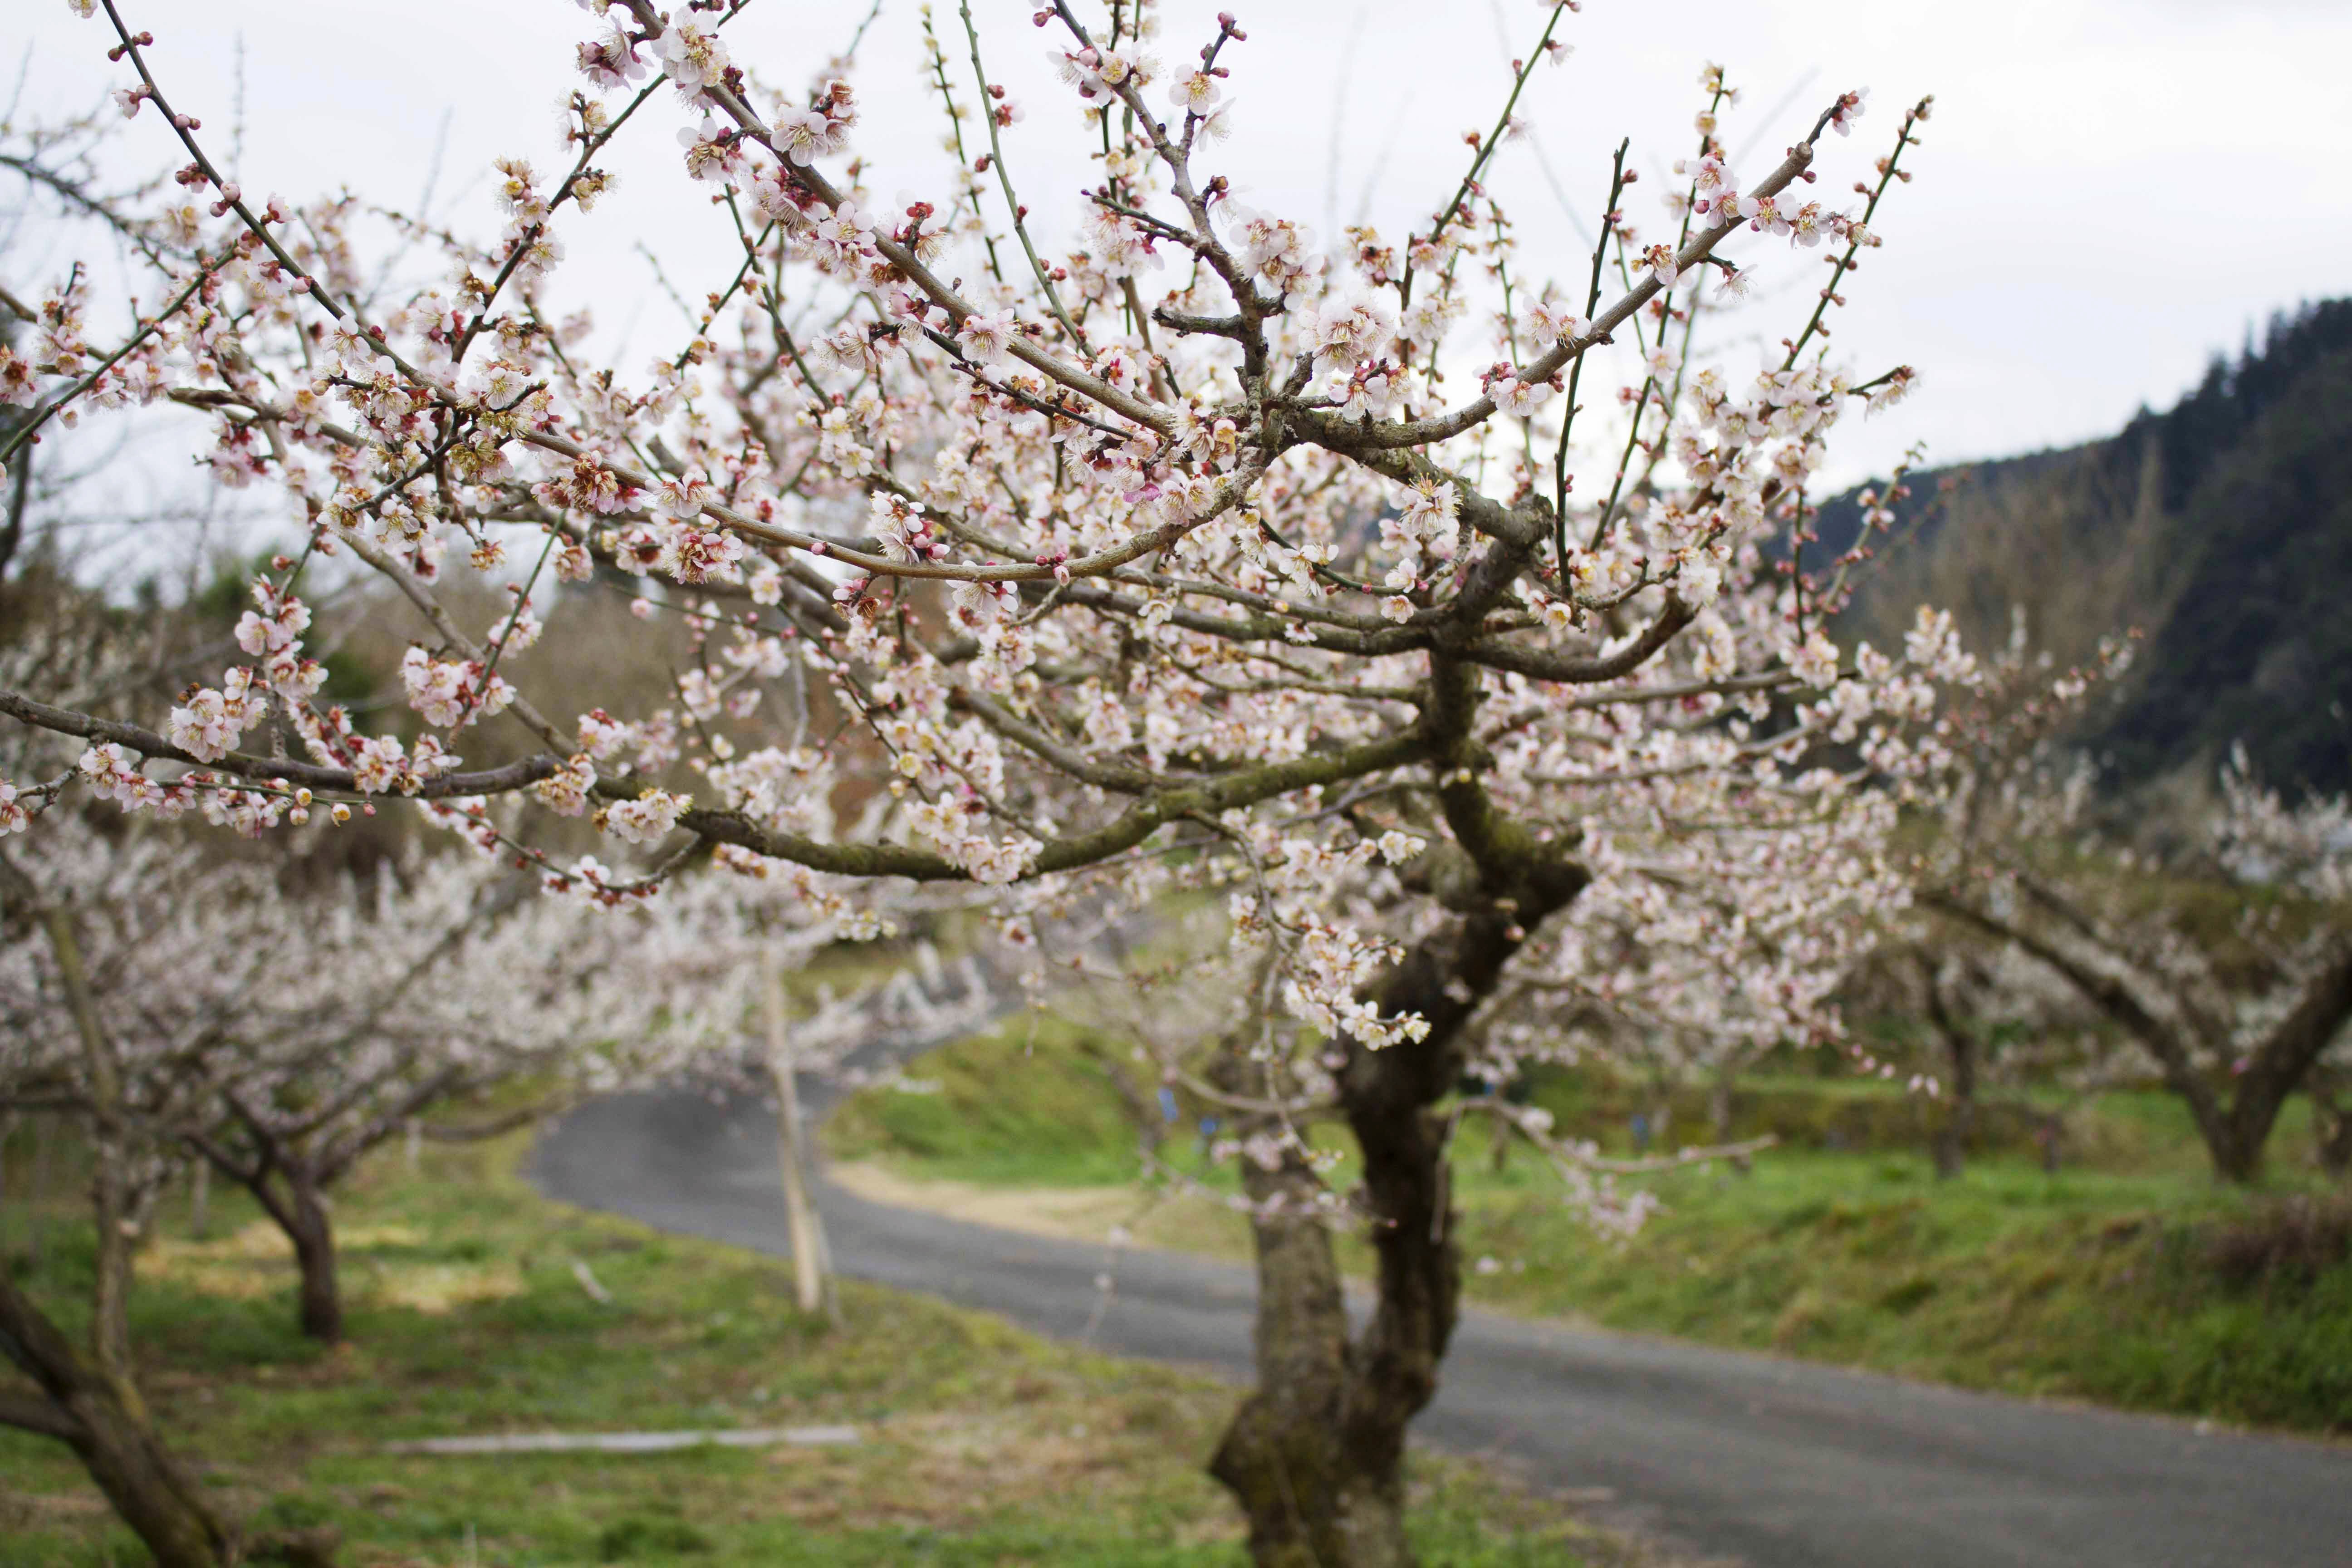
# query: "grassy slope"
[[984, 1446], [2103, 1284]]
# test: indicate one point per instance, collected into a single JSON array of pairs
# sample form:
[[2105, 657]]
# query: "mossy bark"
[[99, 1415], [1315, 1455]]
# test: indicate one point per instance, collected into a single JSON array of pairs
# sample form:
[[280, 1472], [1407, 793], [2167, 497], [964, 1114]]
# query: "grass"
[[983, 1445], [2135, 1281], [1025, 1106], [2081, 1285]]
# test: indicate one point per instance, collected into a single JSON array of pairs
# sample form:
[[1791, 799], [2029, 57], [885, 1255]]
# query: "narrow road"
[[1770, 1463]]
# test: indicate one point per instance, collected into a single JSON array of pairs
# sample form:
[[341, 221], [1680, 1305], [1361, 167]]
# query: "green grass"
[[2082, 1285], [2105, 1281], [1025, 1106], [982, 1445]]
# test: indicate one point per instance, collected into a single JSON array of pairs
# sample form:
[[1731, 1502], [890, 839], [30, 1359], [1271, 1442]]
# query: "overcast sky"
[[2110, 191]]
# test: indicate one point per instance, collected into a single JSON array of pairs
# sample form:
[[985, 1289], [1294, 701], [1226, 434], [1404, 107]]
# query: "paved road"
[[1774, 1464]]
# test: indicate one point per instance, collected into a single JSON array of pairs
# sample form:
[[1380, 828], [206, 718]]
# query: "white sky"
[[2110, 190]]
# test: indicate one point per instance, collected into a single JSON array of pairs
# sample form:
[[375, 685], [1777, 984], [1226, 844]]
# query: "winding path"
[[1770, 1463]]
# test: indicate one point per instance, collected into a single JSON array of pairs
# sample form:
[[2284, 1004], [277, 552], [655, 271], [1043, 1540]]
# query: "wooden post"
[[35, 1205], [810, 1281], [7, 1132]]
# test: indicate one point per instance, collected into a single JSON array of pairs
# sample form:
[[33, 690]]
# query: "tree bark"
[[2277, 1067], [1280, 1457], [1315, 1455], [104, 1420], [2051, 1137], [7, 1133], [200, 1190], [2235, 1129], [2331, 1120], [313, 1235], [94, 1398], [296, 1202], [2333, 1131], [37, 1210], [1949, 1143]]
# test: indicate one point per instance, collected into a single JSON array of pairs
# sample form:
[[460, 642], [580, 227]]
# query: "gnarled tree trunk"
[[1308, 1500], [92, 1401], [2236, 1129], [1315, 1455], [101, 1417]]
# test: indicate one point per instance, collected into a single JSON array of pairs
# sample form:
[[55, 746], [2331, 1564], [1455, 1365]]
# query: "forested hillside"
[[2221, 529]]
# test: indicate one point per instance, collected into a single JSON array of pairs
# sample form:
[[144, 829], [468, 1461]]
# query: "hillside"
[[2221, 529]]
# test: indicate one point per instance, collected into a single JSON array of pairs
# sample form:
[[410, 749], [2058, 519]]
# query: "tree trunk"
[[200, 1189], [94, 1399], [1311, 1502], [2237, 1156], [1315, 1455], [7, 1133], [1948, 1144], [2051, 1136], [2277, 1069], [107, 1424], [2331, 1121], [313, 1235], [2331, 1126], [1951, 1141], [2236, 1132], [36, 1211], [1722, 1106]]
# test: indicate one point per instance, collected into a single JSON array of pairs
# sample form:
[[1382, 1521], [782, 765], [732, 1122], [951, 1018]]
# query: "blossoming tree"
[[1180, 552], [2233, 1001], [191, 1000], [289, 1037], [184, 1006], [2234, 1015]]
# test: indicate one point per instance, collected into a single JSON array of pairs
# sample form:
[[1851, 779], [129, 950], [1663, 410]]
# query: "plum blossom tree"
[[2230, 1000], [1993, 1023], [91, 1400], [307, 1031], [89, 1397], [171, 992], [1180, 553], [184, 1006]]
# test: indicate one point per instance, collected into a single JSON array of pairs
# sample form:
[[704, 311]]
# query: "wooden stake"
[[7, 1132], [811, 1280], [200, 1186]]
